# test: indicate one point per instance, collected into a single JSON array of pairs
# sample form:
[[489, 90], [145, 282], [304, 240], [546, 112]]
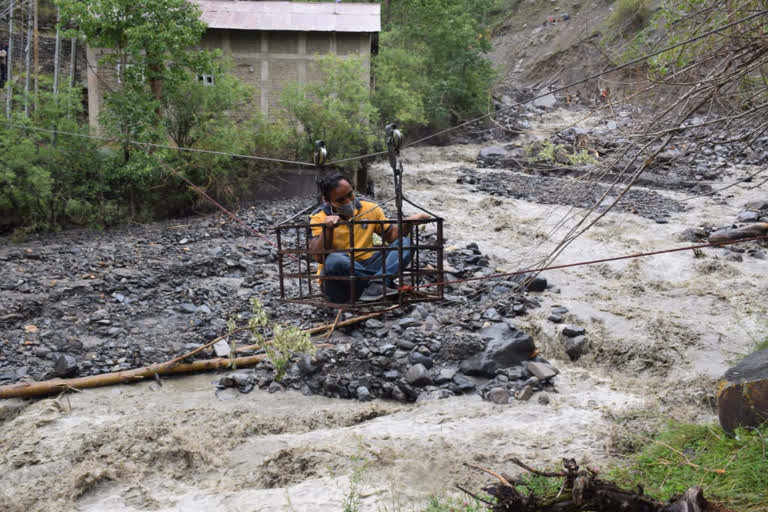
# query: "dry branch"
[[755, 230]]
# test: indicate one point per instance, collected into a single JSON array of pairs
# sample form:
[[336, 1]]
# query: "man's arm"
[[324, 241], [392, 233]]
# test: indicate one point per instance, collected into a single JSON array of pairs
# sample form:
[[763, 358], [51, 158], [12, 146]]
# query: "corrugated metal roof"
[[295, 16]]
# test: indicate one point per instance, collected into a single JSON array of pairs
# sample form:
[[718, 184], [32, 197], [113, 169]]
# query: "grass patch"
[[456, 504], [731, 470]]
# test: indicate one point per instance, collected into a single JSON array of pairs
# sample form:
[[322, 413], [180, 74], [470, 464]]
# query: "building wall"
[[269, 59], [264, 59]]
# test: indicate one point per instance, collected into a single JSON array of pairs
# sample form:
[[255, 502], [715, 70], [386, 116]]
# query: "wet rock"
[[417, 375], [542, 371], [524, 394], [571, 331], [500, 354], [576, 347], [275, 387], [186, 308], [537, 284], [463, 384], [559, 310], [492, 315], [363, 394], [743, 393], [408, 322], [65, 366], [418, 358], [757, 205], [748, 216], [554, 318], [392, 374], [446, 375], [307, 364], [693, 235], [222, 348], [544, 399], [373, 323], [498, 396], [405, 344]]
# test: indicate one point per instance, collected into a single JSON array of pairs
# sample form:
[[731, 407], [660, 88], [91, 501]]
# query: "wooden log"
[[49, 387], [755, 230]]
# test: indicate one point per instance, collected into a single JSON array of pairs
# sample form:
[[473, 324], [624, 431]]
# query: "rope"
[[406, 288]]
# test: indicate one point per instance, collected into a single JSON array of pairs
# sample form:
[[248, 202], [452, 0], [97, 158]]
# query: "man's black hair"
[[327, 183]]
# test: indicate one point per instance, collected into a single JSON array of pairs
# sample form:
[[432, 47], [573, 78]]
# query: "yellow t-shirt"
[[363, 231]]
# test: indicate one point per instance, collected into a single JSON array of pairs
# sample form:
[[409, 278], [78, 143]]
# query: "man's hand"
[[331, 221], [418, 216]]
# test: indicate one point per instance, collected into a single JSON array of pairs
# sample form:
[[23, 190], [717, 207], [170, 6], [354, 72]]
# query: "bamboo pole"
[[48, 387], [9, 65], [37, 53], [57, 54], [72, 54], [28, 55]]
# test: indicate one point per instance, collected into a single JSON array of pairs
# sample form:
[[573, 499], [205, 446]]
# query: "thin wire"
[[161, 146], [406, 288]]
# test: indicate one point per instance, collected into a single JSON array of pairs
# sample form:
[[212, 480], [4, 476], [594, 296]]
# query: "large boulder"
[[510, 351], [742, 396]]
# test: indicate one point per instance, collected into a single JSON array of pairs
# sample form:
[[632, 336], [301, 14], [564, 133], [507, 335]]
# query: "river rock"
[[748, 216], [498, 396], [571, 331], [418, 358], [542, 371], [742, 398], [575, 347], [500, 354], [65, 366], [417, 375], [757, 205]]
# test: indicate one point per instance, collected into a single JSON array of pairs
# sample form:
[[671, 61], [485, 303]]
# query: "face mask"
[[346, 210]]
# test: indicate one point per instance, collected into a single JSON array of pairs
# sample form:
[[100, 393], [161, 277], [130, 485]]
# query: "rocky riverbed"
[[432, 385]]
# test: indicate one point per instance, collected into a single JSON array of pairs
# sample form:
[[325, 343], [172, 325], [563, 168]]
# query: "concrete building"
[[270, 43]]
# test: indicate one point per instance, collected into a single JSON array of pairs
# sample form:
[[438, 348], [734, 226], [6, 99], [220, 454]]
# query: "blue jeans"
[[337, 264]]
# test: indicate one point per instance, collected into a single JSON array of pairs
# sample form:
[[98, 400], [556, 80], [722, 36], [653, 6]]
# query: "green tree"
[[336, 108], [434, 50]]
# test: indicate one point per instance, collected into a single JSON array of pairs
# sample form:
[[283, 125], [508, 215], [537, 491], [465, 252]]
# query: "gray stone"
[[463, 383], [373, 323], [492, 315], [537, 284], [500, 354], [498, 396], [405, 344], [748, 217], [559, 310], [446, 375], [186, 308], [692, 235], [555, 318], [576, 347], [307, 365], [757, 205], [222, 348], [65, 366], [418, 358], [524, 394], [417, 375], [544, 399], [571, 331], [204, 309], [274, 387], [119, 297], [392, 374], [757, 253], [492, 153], [363, 394], [408, 322], [542, 370]]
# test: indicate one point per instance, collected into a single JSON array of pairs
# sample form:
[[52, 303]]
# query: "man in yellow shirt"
[[327, 234]]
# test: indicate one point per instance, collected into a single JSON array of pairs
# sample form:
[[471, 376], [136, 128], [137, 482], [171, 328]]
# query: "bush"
[[630, 15]]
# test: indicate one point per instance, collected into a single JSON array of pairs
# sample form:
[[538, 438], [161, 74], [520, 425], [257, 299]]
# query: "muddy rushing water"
[[661, 328]]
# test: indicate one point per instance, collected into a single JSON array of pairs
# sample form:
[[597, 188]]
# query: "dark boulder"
[[742, 398], [499, 354]]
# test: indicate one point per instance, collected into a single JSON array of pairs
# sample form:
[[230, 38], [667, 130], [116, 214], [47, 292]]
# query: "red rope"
[[406, 288]]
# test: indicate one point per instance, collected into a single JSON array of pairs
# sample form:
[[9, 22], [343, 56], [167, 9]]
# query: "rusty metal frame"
[[300, 285]]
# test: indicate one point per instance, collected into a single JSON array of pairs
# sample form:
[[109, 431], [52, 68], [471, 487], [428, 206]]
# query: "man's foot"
[[377, 291]]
